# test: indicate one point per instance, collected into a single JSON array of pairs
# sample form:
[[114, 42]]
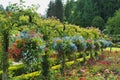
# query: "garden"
[[33, 48]]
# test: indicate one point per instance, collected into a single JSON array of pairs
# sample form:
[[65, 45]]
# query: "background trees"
[[113, 23], [50, 11], [56, 9], [84, 12]]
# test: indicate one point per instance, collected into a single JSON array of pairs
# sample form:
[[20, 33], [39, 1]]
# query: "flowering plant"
[[105, 43], [27, 48], [80, 42], [64, 45], [16, 49]]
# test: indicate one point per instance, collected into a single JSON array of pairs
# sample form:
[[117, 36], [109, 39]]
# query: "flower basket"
[[79, 41]]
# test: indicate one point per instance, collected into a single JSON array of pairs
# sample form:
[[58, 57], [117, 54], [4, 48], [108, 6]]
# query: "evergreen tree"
[[107, 7], [98, 22], [88, 13], [51, 9], [77, 17], [59, 11], [69, 10]]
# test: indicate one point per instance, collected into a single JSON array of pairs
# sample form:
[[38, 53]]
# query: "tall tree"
[[59, 11], [113, 23], [89, 12], [69, 10], [98, 22], [50, 11], [107, 7], [84, 12], [76, 18]]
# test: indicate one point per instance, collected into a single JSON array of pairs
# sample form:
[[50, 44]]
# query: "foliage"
[[104, 43], [90, 44], [35, 35], [79, 41], [27, 49], [51, 28], [45, 73], [64, 45], [56, 10], [0, 53], [114, 22], [88, 12], [97, 45], [85, 13], [98, 22], [50, 11], [69, 11]]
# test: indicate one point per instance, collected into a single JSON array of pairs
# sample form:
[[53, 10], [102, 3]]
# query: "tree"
[[1, 7], [76, 18], [89, 12], [59, 11], [50, 11], [107, 7], [82, 13], [98, 22], [69, 10], [113, 23]]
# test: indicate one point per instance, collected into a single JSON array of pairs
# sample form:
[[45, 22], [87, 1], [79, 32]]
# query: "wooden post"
[[63, 64], [5, 55]]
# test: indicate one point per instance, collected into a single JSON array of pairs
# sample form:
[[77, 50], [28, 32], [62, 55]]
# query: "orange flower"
[[41, 35], [16, 35]]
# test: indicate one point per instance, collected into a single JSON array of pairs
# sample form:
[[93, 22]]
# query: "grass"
[[113, 49]]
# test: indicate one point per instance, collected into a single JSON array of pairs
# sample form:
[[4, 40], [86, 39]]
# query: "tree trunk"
[[5, 55]]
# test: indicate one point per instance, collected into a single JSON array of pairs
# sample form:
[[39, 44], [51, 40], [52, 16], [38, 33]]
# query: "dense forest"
[[103, 14]]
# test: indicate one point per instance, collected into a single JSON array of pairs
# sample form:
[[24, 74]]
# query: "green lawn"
[[113, 49]]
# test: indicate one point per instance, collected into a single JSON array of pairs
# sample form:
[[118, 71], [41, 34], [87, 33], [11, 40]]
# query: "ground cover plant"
[[106, 67]]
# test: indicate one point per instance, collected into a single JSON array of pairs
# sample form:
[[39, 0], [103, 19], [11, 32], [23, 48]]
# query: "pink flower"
[[106, 71], [82, 70], [32, 35], [46, 48]]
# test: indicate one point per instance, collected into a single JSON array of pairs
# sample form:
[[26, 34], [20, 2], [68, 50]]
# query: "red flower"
[[14, 53], [69, 74], [82, 78], [82, 70], [106, 63], [102, 57], [106, 71]]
